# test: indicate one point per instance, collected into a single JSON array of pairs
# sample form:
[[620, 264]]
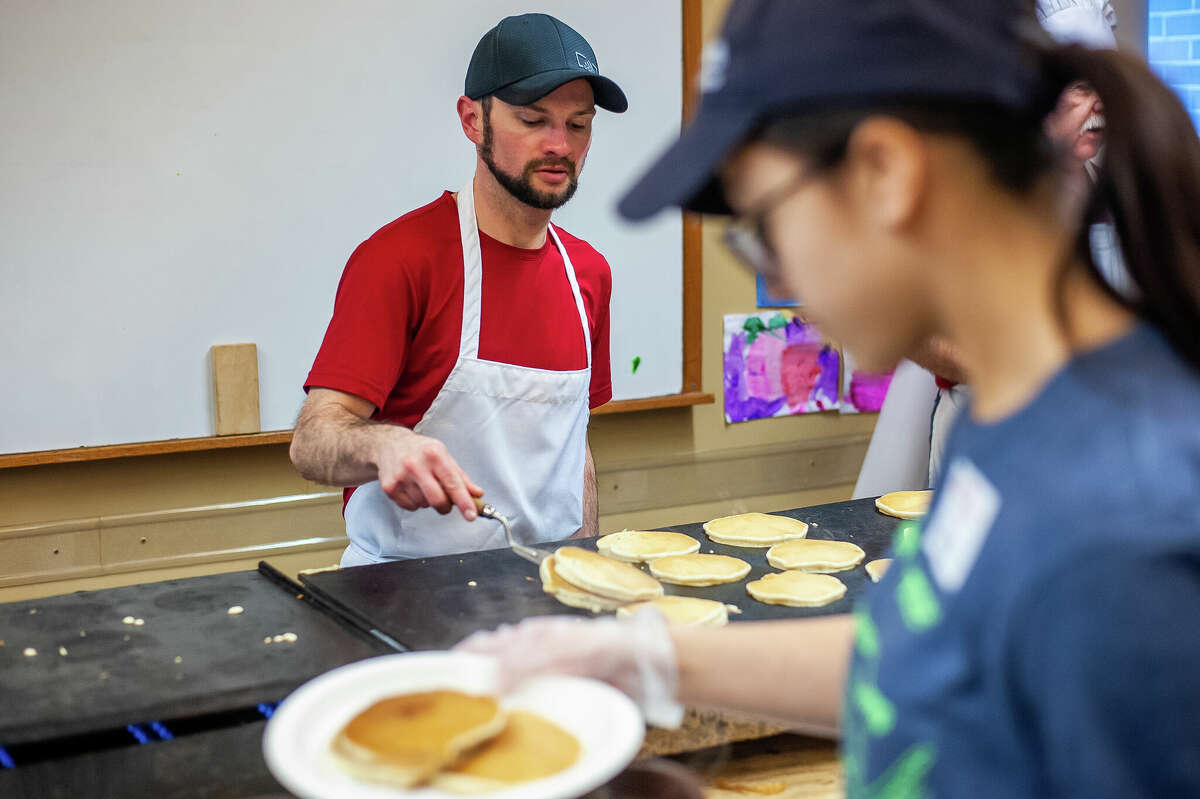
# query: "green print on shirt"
[[904, 779], [866, 634], [907, 541], [876, 710], [869, 713], [919, 606]]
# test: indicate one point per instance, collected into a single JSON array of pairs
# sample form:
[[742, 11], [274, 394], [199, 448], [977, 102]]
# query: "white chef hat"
[[1086, 22]]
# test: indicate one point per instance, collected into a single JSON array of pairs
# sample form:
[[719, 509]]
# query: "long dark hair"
[[1149, 182]]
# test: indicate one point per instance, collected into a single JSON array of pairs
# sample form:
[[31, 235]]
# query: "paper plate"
[[297, 739]]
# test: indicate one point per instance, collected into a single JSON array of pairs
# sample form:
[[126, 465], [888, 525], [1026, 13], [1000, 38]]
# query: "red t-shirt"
[[397, 318]]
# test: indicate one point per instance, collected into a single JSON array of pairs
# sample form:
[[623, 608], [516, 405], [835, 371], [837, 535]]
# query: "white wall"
[[178, 175]]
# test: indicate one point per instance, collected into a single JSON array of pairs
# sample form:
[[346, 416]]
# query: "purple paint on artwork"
[[800, 333], [739, 405], [867, 391], [825, 392]]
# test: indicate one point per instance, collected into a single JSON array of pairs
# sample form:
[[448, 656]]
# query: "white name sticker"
[[965, 512]]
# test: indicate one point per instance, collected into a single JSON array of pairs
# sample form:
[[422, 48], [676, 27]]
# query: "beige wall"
[[113, 522]]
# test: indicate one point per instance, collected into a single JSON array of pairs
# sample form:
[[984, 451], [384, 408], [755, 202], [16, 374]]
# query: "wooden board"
[[235, 389]]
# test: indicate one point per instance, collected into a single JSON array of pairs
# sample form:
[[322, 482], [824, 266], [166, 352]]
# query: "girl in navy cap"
[[886, 160]]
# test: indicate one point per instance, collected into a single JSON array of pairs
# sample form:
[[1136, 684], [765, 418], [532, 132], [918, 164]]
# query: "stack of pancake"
[[608, 581], [584, 579], [458, 742]]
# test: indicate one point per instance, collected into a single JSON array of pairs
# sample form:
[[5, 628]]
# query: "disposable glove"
[[635, 655]]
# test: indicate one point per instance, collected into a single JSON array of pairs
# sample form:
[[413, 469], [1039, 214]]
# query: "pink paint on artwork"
[[800, 370], [763, 367], [867, 391]]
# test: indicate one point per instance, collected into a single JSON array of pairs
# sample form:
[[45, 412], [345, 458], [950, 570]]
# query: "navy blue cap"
[[779, 57], [526, 57]]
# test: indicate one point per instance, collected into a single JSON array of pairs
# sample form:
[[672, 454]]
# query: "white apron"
[[520, 433]]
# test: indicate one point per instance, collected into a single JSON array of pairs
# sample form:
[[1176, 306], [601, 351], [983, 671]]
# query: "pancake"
[[797, 589], [636, 546], [529, 748], [403, 740], [754, 530], [572, 595], [697, 569], [605, 576], [685, 610], [877, 568], [904, 504], [815, 555]]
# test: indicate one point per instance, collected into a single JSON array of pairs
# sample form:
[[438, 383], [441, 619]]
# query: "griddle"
[[429, 603], [120, 674]]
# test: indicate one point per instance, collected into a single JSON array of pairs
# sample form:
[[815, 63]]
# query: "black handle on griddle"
[[347, 618]]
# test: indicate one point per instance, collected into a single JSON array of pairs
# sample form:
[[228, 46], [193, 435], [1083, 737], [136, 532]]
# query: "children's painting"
[[775, 365], [862, 392]]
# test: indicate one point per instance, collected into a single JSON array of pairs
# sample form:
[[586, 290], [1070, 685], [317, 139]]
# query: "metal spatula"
[[531, 554]]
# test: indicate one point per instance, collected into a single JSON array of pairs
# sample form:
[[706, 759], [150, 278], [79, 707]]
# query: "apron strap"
[[583, 320], [468, 229]]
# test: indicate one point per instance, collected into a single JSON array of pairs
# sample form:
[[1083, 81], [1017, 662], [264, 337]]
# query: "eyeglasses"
[[746, 236]]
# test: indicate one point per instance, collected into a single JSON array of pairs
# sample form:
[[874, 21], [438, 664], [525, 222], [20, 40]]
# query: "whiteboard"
[[179, 175]]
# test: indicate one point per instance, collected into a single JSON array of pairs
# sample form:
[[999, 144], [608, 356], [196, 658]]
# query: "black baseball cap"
[[779, 57], [526, 57]]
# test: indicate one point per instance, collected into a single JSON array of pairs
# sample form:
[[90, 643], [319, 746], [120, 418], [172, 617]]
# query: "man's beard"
[[521, 186]]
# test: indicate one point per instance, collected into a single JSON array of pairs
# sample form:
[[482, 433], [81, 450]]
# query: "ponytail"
[[1150, 184]]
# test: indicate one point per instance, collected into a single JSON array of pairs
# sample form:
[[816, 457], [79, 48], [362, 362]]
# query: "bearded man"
[[469, 337]]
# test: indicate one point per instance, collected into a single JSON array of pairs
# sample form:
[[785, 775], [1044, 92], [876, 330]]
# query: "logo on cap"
[[584, 62], [713, 63]]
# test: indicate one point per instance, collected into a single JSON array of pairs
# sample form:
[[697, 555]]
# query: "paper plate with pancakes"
[[429, 725]]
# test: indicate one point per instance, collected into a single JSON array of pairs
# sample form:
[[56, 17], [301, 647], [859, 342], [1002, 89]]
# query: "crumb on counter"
[[128, 620], [139, 622], [33, 611], [178, 659], [236, 610], [471, 583], [30, 652], [62, 650]]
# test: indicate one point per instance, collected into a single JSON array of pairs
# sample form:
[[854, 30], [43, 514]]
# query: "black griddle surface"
[[428, 604], [121, 674]]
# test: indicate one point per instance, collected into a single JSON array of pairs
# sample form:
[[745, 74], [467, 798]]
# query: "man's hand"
[[417, 471], [337, 443]]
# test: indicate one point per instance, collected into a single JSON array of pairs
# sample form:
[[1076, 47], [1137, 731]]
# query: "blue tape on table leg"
[[161, 730], [138, 733], [6, 760]]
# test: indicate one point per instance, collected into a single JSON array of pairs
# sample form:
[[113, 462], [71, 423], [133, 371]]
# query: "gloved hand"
[[635, 655]]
